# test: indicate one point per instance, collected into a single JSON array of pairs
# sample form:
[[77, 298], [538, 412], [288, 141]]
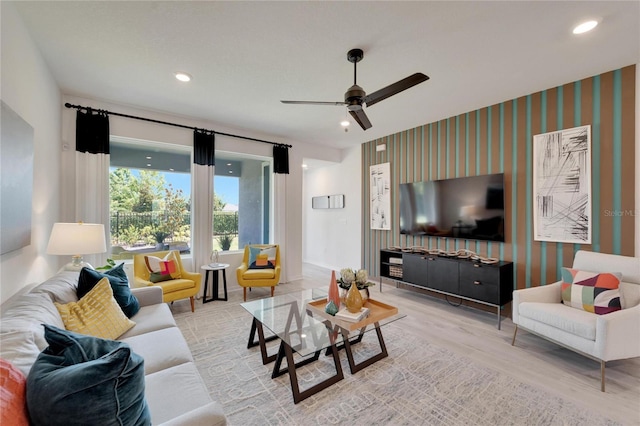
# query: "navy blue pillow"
[[84, 380], [119, 284]]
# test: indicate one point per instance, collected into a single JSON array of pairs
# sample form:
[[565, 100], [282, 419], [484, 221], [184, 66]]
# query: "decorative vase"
[[354, 300], [364, 292], [334, 292], [331, 308]]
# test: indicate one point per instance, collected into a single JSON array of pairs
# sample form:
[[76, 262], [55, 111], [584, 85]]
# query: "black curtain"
[[204, 148], [92, 132], [281, 159]]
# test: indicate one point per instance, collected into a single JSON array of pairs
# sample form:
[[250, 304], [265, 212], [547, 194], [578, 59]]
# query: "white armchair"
[[603, 338]]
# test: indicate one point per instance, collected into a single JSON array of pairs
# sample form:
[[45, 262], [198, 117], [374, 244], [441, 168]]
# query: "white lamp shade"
[[77, 239], [467, 211]]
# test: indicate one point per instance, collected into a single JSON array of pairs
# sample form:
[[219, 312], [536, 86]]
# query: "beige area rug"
[[419, 383]]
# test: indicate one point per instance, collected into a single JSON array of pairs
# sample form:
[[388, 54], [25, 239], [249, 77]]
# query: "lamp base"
[[76, 265]]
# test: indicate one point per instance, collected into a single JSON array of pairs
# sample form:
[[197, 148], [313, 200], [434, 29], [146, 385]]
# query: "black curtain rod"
[[68, 105]]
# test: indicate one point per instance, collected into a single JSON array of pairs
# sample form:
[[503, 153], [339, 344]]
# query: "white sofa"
[[174, 390], [609, 337]]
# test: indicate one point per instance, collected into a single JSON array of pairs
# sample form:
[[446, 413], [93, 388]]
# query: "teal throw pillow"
[[119, 284], [84, 380]]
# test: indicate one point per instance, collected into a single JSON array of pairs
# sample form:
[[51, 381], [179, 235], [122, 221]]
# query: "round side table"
[[214, 269]]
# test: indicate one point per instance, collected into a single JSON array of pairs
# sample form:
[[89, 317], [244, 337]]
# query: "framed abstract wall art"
[[562, 186], [380, 196]]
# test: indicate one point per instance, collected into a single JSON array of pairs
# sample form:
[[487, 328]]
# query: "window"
[[242, 201], [149, 197]]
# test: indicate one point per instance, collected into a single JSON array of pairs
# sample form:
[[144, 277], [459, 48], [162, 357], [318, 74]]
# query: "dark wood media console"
[[488, 284]]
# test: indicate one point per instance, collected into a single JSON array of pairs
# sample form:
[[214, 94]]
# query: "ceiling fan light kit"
[[355, 97]]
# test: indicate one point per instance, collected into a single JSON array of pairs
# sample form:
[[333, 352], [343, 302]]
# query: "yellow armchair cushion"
[[259, 274]]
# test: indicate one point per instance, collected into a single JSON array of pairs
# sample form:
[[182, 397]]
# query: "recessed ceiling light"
[[230, 171], [585, 27], [171, 170], [228, 164], [183, 76], [344, 123], [148, 165], [148, 157]]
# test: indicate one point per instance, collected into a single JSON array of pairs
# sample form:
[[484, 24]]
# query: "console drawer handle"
[[477, 283]]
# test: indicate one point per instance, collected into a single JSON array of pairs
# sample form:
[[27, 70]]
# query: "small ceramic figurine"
[[331, 308]]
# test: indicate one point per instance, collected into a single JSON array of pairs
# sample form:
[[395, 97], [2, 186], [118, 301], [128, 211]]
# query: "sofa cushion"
[[591, 291], [13, 395], [577, 322], [96, 314], [151, 318], [20, 348], [103, 379], [119, 284], [162, 269], [188, 392], [160, 349], [28, 312], [61, 287]]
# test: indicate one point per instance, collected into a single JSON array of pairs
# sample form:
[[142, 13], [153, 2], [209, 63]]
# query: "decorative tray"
[[377, 312]]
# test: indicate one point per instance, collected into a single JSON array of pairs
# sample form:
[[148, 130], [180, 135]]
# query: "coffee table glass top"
[[288, 316]]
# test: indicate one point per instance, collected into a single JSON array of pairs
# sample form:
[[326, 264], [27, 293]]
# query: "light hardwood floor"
[[472, 332]]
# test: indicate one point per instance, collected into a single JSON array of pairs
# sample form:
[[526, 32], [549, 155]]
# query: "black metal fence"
[[125, 223]]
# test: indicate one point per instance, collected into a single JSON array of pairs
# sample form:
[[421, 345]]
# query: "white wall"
[[28, 88], [333, 237]]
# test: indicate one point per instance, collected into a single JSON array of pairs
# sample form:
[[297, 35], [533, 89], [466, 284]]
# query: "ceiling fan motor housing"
[[354, 95]]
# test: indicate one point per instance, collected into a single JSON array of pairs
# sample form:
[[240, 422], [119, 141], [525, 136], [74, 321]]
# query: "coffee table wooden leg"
[[293, 377], [367, 362], [262, 341]]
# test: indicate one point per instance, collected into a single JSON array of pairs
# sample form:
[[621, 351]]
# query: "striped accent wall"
[[498, 139]]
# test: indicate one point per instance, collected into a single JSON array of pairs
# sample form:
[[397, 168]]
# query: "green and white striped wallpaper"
[[498, 139]]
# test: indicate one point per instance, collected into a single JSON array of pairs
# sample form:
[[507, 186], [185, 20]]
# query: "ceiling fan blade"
[[314, 103], [395, 88], [361, 118]]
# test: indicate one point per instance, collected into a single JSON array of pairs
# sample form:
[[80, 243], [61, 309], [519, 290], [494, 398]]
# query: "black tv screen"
[[469, 207]]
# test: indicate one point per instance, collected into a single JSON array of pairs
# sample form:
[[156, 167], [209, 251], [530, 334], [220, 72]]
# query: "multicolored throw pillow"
[[262, 257], [162, 269], [591, 291]]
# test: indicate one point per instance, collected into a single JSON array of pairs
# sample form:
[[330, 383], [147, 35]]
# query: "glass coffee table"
[[298, 320]]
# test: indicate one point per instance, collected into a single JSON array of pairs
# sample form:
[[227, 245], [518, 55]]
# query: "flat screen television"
[[469, 207]]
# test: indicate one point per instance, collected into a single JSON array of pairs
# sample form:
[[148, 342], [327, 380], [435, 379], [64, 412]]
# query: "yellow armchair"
[[187, 286], [264, 277]]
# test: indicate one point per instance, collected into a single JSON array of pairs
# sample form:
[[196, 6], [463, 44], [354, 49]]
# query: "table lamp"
[[77, 239], [467, 213]]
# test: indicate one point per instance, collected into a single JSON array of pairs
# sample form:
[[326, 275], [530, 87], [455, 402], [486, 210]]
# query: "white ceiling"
[[246, 56]]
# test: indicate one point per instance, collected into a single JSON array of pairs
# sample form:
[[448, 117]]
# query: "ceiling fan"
[[356, 97]]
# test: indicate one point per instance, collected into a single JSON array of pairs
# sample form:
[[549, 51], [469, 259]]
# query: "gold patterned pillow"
[[96, 314]]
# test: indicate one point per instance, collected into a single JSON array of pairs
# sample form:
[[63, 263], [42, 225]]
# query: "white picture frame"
[[562, 186], [380, 196]]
